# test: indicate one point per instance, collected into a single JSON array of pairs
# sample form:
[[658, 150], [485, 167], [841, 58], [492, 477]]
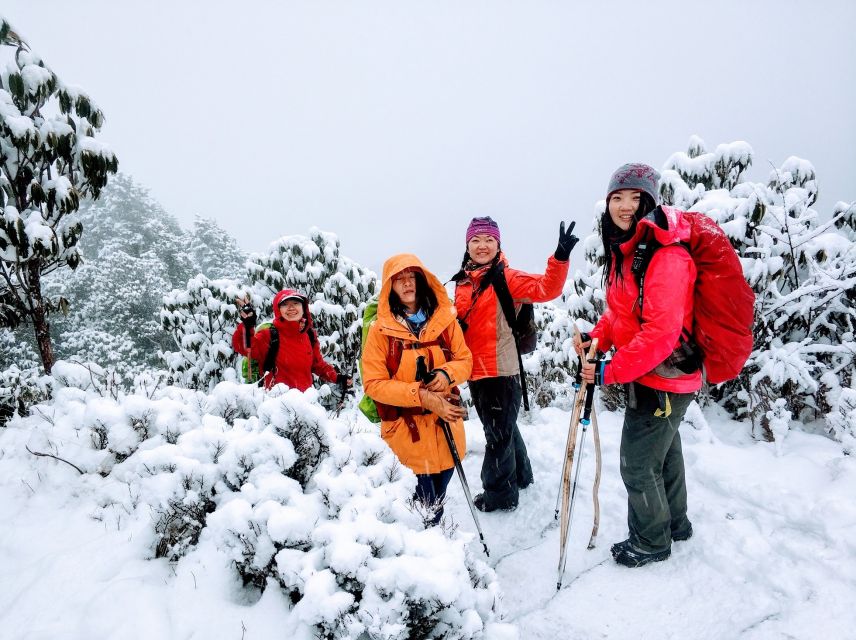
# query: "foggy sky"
[[393, 123]]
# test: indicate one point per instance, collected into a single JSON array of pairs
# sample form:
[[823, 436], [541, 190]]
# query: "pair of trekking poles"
[[583, 414]]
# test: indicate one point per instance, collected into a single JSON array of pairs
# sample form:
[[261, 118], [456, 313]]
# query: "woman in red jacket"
[[654, 357], [298, 355], [494, 382]]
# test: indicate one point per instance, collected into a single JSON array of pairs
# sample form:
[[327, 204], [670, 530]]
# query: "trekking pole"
[[586, 398], [596, 487], [424, 375], [576, 384], [343, 390], [447, 431]]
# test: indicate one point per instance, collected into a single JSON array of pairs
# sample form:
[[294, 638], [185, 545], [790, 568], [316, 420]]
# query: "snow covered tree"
[[213, 251], [133, 253], [50, 161], [803, 273], [337, 288], [201, 319], [550, 367]]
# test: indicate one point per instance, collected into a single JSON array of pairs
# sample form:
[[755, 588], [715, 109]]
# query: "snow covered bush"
[[50, 160], [803, 272], [19, 390], [201, 319], [550, 367], [337, 288], [266, 482]]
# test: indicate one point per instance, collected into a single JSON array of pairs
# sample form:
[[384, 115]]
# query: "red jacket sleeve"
[[320, 367], [528, 287], [603, 332], [669, 284]]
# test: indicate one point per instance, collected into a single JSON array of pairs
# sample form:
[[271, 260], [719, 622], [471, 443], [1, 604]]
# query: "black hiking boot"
[[481, 504], [626, 554], [680, 536]]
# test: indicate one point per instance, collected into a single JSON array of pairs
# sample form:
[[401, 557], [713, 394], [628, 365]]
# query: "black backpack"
[[523, 323]]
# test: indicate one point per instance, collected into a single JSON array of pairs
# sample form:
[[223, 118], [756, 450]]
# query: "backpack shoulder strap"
[[503, 295], [642, 259]]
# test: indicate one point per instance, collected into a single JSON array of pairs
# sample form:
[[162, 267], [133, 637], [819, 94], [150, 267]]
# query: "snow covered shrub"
[[841, 421], [803, 273], [291, 499], [549, 369], [21, 389], [201, 320], [337, 287]]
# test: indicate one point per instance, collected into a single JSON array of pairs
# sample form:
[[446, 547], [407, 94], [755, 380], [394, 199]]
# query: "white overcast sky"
[[393, 123]]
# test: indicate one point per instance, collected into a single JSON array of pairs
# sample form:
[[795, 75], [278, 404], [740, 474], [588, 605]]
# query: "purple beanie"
[[486, 225], [637, 176]]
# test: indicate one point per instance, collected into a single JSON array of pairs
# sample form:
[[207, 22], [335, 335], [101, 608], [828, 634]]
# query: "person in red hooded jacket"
[[654, 358], [298, 355]]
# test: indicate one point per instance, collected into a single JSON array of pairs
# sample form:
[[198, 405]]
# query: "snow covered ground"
[[773, 556]]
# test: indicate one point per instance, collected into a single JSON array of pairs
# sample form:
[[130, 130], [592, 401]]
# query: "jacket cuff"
[[411, 396], [607, 376]]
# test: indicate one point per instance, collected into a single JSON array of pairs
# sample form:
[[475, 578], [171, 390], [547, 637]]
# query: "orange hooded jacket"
[[430, 453]]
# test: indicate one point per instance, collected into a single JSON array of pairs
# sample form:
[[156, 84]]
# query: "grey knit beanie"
[[638, 176]]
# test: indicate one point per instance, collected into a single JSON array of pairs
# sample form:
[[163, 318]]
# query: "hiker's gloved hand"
[[248, 317], [440, 383], [343, 380], [246, 311], [582, 341], [439, 406], [594, 371], [567, 242]]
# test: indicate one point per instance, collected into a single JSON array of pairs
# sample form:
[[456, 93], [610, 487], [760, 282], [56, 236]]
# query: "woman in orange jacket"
[[494, 382], [415, 319]]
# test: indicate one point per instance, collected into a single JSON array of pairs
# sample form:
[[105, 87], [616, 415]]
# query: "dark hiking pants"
[[652, 467], [431, 491], [506, 467]]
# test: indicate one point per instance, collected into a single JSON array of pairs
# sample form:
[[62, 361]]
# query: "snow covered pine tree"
[[49, 161]]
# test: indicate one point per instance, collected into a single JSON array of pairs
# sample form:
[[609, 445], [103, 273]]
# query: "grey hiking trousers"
[[652, 467]]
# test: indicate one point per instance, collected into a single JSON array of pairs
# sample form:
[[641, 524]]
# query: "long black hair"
[[613, 236], [425, 297]]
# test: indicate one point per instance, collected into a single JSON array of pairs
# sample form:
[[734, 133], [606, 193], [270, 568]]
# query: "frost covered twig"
[[50, 455]]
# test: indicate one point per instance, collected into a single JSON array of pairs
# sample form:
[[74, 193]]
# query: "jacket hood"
[[441, 317], [291, 293], [667, 224]]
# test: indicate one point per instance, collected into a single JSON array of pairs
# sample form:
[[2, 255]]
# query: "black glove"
[[249, 320], [567, 242]]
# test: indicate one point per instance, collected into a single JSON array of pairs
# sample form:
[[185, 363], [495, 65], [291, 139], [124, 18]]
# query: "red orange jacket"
[[488, 335], [643, 342]]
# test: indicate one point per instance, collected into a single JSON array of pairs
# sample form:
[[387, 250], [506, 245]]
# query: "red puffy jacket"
[[488, 335], [297, 358], [643, 343]]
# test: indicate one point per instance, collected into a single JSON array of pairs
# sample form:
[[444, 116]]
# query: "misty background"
[[393, 123]]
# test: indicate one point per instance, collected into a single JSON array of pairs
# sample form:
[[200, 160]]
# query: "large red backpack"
[[723, 302]]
